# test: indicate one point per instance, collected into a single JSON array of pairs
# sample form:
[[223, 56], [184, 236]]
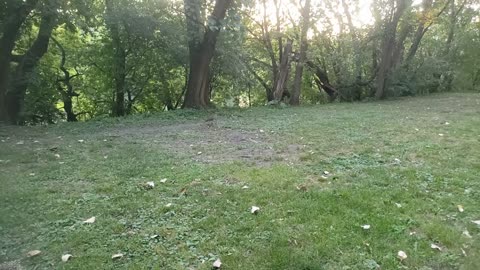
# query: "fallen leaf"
[[365, 227], [66, 257], [467, 234], [33, 253], [217, 264], [434, 246], [164, 180], [89, 221], [401, 255], [460, 208], [254, 210], [117, 256], [476, 222], [151, 184], [183, 191]]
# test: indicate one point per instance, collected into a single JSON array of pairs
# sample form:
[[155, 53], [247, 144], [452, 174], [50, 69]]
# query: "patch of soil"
[[206, 142]]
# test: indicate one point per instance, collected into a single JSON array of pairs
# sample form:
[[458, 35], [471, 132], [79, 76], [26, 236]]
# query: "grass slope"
[[380, 156]]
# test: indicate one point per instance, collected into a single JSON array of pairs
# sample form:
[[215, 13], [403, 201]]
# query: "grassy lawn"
[[401, 166]]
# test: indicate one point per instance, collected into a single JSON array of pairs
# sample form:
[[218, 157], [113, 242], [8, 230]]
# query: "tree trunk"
[[388, 48], [17, 13], [283, 72], [198, 89], [67, 94], [297, 83], [322, 81], [15, 96], [119, 59]]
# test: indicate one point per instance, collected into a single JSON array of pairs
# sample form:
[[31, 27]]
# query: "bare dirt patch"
[[209, 142]]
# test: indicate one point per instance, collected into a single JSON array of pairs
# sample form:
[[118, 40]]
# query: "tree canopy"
[[76, 60]]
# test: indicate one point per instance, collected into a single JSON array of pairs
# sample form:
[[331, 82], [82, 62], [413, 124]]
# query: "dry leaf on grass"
[[117, 256], [401, 255], [366, 227], [434, 246], [66, 257], [217, 264], [89, 221], [33, 253]]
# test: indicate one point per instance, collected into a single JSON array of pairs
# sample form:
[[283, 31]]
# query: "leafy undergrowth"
[[408, 168]]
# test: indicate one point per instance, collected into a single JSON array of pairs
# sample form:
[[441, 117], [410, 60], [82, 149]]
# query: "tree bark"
[[69, 93], [17, 14], [297, 83], [388, 47], [322, 81], [119, 59], [198, 89], [283, 72], [15, 96]]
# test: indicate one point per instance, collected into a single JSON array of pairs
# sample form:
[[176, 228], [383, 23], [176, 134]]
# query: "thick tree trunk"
[[297, 83], [17, 12], [198, 89], [388, 48], [119, 59], [15, 96], [283, 72]]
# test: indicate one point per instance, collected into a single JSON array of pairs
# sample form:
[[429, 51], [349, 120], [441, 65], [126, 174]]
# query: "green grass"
[[378, 154]]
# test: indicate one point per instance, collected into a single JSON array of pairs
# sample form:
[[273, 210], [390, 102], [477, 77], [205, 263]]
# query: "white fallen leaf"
[[89, 221], [402, 255], [254, 210], [66, 257], [168, 205], [81, 141], [365, 227], [434, 246], [33, 253], [467, 234], [217, 264], [57, 155], [476, 222], [460, 208], [117, 256], [164, 180], [245, 187], [151, 184], [398, 205]]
